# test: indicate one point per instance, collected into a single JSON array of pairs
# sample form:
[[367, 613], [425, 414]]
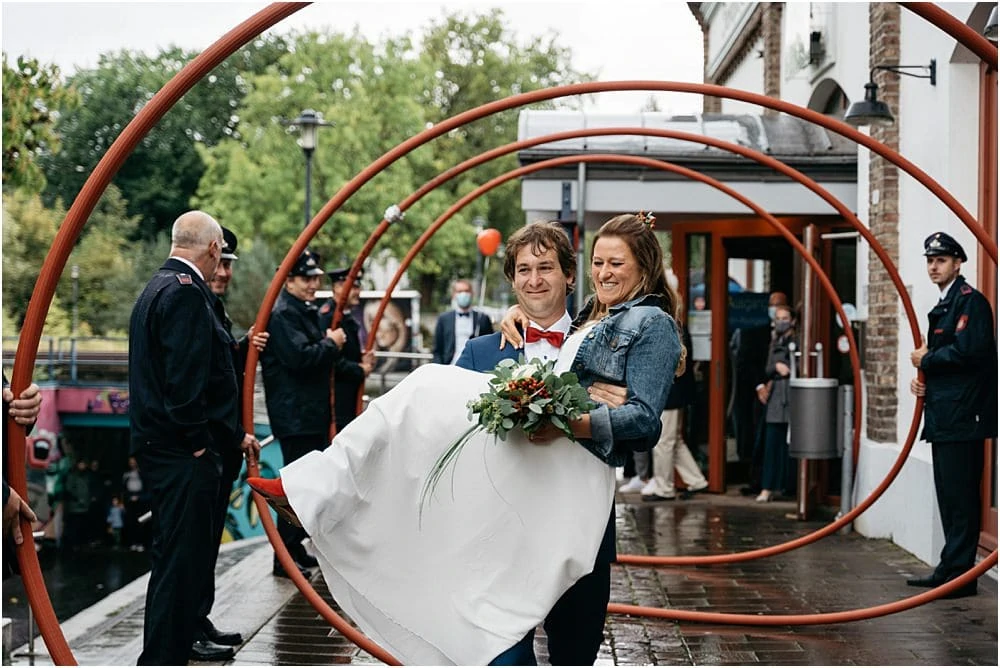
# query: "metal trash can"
[[812, 408]]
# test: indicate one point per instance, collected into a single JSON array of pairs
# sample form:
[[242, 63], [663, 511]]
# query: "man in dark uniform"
[[959, 361], [296, 369], [207, 636], [354, 365], [182, 416]]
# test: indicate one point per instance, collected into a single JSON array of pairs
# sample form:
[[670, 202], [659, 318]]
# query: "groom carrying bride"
[[520, 535], [541, 267]]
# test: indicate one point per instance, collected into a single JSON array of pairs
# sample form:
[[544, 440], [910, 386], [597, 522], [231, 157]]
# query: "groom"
[[541, 266]]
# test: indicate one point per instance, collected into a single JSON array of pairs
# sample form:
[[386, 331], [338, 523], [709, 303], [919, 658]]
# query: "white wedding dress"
[[507, 531]]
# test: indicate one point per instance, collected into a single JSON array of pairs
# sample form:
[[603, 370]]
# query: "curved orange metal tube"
[[55, 260], [99, 179]]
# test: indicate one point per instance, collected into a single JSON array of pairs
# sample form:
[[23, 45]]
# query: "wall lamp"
[[990, 31], [871, 110]]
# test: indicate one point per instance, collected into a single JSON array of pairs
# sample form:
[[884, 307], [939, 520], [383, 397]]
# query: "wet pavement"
[[837, 573]]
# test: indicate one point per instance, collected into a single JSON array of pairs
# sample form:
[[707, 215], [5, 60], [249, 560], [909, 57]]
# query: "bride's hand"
[[613, 396], [508, 327]]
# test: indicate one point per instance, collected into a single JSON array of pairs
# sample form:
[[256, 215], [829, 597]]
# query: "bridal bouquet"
[[521, 396]]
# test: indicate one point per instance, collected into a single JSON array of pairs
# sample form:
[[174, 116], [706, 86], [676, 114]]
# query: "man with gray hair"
[[182, 416]]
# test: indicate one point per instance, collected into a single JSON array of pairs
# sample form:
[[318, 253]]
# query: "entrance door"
[[726, 269]]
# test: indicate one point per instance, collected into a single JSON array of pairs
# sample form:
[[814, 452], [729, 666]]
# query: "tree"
[[108, 284], [160, 176], [380, 94], [32, 95], [28, 231]]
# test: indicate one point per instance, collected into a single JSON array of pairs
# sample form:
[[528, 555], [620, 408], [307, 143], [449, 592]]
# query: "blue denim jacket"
[[637, 345]]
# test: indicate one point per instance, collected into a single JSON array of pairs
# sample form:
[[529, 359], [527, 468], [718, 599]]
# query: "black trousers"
[[232, 463], [293, 447], [575, 625], [184, 489], [958, 472]]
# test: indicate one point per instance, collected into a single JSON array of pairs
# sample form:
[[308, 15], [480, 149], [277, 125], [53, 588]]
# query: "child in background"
[[116, 520]]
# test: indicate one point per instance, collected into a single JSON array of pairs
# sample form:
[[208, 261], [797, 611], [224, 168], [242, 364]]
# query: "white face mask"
[[463, 299], [771, 311]]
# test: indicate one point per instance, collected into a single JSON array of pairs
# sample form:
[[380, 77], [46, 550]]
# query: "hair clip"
[[647, 218]]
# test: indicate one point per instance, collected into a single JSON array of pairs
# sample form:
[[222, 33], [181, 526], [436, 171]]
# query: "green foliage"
[[379, 95], [160, 176], [28, 231], [33, 94], [105, 259]]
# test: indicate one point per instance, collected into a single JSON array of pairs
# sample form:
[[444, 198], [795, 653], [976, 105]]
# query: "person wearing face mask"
[[774, 395], [748, 348], [454, 328]]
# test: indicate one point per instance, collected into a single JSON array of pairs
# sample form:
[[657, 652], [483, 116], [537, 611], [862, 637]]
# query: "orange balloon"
[[488, 241]]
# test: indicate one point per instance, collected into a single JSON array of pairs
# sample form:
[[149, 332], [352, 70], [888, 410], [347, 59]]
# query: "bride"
[[513, 525]]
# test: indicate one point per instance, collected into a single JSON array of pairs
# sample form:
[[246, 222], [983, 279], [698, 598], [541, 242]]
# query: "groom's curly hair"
[[540, 236]]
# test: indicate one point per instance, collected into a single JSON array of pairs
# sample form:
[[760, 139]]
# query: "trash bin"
[[812, 408]]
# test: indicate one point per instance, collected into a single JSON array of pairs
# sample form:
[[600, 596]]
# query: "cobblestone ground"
[[837, 573]]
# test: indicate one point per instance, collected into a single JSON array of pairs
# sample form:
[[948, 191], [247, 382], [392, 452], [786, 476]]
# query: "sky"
[[623, 39]]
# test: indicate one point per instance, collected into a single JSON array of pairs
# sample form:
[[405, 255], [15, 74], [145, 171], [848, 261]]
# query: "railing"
[[64, 356], [69, 358]]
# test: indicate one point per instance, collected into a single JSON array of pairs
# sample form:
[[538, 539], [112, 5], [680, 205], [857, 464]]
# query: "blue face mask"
[[463, 299], [771, 312]]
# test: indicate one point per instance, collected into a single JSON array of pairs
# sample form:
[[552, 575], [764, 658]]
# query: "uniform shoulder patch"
[[184, 279], [963, 322], [966, 290], [325, 308]]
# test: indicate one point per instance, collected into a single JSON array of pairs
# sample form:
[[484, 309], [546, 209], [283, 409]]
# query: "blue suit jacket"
[[483, 354]]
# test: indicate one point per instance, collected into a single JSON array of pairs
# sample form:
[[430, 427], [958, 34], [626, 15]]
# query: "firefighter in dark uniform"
[[353, 366], [959, 361], [207, 637], [296, 370], [182, 417]]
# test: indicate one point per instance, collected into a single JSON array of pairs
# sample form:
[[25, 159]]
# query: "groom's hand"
[[613, 396]]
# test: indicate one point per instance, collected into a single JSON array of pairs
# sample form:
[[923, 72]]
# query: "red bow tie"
[[532, 335]]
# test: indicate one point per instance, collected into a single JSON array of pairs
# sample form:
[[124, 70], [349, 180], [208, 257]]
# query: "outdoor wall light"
[[872, 111], [990, 31]]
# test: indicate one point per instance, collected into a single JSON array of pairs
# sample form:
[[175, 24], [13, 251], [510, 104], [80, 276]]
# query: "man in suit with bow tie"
[[454, 328], [541, 266]]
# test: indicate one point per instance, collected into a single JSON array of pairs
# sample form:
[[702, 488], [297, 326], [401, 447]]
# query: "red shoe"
[[273, 492]]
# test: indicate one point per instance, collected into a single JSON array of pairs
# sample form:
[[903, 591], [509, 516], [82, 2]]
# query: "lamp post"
[[74, 273], [309, 123]]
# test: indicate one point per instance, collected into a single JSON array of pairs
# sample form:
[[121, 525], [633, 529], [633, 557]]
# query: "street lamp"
[[74, 273], [309, 123]]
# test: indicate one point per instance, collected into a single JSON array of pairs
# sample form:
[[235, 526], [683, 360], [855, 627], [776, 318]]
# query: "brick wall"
[[771, 31], [881, 344]]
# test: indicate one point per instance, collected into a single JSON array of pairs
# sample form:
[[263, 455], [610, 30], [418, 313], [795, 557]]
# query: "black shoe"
[[750, 490], [279, 571], [305, 560], [929, 581], [206, 650], [209, 632], [968, 590]]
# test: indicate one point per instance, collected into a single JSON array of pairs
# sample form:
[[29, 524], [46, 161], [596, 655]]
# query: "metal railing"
[[63, 356]]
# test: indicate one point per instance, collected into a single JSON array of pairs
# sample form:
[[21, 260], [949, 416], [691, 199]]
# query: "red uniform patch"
[[962, 322], [966, 290], [324, 309], [184, 279]]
